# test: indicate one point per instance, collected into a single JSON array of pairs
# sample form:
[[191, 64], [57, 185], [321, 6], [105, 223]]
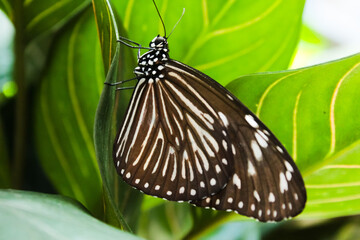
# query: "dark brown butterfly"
[[187, 138]]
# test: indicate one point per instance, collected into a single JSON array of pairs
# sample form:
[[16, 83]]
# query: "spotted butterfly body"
[[187, 138]]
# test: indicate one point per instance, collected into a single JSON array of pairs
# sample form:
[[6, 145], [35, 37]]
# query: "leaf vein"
[[332, 108]]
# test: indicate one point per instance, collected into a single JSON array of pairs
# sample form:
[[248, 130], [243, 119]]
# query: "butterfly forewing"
[[172, 144], [186, 138]]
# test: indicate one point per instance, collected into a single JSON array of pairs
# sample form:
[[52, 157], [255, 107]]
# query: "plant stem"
[[21, 98]]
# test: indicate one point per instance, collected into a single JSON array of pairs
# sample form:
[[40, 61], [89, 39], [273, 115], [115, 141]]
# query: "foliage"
[[65, 50]]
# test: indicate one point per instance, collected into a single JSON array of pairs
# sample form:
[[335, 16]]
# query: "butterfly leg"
[[117, 83], [124, 88], [129, 43]]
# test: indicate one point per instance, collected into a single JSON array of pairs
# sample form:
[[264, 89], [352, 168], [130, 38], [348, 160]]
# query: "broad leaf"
[[65, 110], [43, 16], [121, 199], [25, 215], [224, 39], [314, 113], [166, 221], [7, 7]]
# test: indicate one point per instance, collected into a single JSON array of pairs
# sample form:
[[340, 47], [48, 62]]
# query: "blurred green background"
[[55, 56]]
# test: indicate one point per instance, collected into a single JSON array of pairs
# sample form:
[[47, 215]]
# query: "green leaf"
[[122, 202], [64, 113], [314, 113], [221, 39], [45, 16], [7, 7], [32, 215], [166, 221], [107, 30]]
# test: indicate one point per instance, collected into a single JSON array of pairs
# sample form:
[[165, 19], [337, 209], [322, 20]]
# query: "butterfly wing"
[[266, 183], [171, 144]]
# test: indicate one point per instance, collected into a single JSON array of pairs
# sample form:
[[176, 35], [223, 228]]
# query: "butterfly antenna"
[[177, 22], [160, 18]]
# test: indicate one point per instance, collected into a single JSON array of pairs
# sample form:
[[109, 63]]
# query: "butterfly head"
[[151, 64], [159, 43]]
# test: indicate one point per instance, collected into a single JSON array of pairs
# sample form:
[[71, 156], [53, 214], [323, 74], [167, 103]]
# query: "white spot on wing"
[[274, 213], [236, 181], [183, 170], [224, 119], [256, 150], [250, 119], [296, 196], [288, 166], [229, 96], [209, 118], [233, 149], [288, 175], [172, 152], [261, 140], [263, 135], [251, 169], [191, 171], [224, 143], [212, 182], [283, 183], [256, 195], [241, 204], [271, 197]]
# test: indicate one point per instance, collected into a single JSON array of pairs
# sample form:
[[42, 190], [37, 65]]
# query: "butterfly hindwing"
[[266, 183]]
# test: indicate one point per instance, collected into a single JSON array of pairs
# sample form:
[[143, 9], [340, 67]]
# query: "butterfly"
[[187, 138]]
